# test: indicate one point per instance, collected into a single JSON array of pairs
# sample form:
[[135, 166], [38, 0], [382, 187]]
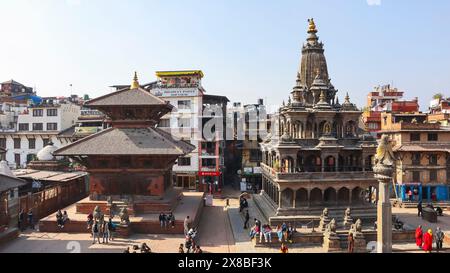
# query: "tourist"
[[188, 244], [267, 234], [112, 229], [181, 249], [95, 232], [22, 220], [439, 211], [163, 220], [255, 230], [127, 250], [416, 194], [410, 195], [279, 233], [90, 220], [105, 232], [419, 236], [135, 248], [171, 219], [284, 248], [64, 219], [145, 248], [439, 237], [419, 209], [351, 243], [59, 217], [247, 218], [284, 231], [198, 249], [290, 232], [30, 219], [186, 225], [428, 241]]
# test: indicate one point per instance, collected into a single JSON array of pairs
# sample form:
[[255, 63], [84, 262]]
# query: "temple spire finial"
[[347, 98], [312, 26], [135, 83]]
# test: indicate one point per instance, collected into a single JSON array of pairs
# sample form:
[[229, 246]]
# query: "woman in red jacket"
[[419, 236], [428, 241]]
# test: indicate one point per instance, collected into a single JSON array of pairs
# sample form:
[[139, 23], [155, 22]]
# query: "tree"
[[438, 96]]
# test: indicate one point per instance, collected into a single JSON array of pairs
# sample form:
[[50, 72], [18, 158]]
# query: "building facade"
[[317, 157], [385, 99], [37, 125], [423, 153]]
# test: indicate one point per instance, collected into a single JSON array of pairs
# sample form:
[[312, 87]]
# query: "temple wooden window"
[[416, 176], [103, 163], [415, 158], [125, 162], [414, 137], [432, 137], [433, 160], [433, 175]]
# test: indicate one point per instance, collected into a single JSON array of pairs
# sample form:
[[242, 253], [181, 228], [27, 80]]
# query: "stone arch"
[[287, 198], [301, 198], [357, 197], [343, 196], [330, 196], [315, 196]]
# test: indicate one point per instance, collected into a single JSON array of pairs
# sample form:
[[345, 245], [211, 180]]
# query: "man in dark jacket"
[[247, 218], [22, 220]]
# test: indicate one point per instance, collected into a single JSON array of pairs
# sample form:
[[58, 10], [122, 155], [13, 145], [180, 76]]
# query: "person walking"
[[419, 236], [22, 220], [95, 231], [30, 219], [428, 241], [439, 237], [419, 209], [351, 243], [186, 225], [105, 232], [247, 218]]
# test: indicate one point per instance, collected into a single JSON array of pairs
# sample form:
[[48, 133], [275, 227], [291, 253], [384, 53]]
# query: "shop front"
[[210, 182], [186, 180], [415, 192]]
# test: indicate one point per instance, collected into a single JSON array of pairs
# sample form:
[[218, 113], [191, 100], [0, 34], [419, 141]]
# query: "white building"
[[36, 127]]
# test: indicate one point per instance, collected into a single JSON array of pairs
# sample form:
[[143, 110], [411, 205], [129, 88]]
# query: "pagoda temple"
[[133, 158], [317, 157]]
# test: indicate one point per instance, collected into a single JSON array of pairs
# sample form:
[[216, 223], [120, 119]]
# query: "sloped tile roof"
[[126, 141], [126, 97]]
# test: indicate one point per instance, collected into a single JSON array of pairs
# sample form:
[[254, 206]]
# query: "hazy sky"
[[246, 48]]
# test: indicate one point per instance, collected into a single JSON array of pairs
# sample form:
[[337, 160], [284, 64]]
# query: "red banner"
[[209, 173]]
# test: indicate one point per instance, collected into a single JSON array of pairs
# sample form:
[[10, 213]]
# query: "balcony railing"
[[316, 175]]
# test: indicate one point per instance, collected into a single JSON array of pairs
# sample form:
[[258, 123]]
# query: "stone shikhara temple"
[[319, 157]]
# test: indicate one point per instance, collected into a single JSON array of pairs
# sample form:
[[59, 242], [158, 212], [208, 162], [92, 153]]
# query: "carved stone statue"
[[384, 160], [356, 228], [97, 213], [384, 154], [331, 227], [324, 220], [348, 220], [124, 217]]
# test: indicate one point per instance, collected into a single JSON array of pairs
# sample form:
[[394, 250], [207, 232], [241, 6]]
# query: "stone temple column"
[[383, 169]]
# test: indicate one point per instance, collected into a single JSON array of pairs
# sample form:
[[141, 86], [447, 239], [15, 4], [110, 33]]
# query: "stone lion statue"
[[325, 212], [347, 213], [331, 227], [357, 227], [124, 217]]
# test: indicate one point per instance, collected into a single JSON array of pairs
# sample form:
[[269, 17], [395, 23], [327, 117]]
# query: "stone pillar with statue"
[[383, 170]]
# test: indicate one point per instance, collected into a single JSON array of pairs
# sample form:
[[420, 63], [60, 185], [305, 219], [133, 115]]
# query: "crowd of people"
[[103, 230], [424, 240]]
